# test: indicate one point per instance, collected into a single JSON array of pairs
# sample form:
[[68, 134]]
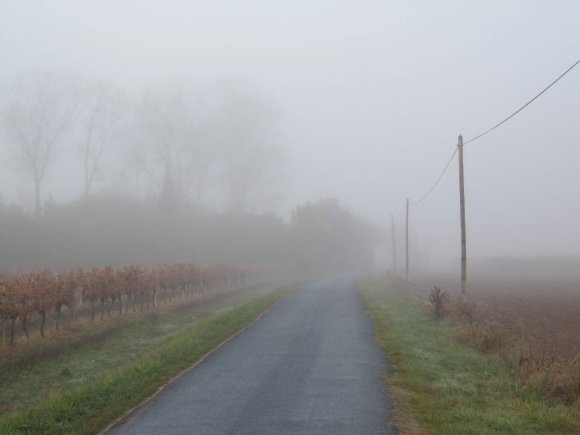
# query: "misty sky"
[[372, 96]]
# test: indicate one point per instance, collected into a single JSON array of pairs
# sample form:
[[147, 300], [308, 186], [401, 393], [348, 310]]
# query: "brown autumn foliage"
[[35, 296]]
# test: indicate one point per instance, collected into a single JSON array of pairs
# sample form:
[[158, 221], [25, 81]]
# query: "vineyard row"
[[37, 294]]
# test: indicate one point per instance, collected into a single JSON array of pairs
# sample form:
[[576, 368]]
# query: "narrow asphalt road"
[[308, 366]]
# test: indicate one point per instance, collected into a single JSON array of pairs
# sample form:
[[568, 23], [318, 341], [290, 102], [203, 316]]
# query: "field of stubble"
[[532, 322]]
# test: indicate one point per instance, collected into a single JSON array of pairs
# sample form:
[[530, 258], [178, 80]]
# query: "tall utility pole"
[[407, 242], [462, 212], [394, 243]]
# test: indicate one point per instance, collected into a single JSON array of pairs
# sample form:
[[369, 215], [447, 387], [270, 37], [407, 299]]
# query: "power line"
[[490, 130], [424, 197], [524, 106], [459, 149]]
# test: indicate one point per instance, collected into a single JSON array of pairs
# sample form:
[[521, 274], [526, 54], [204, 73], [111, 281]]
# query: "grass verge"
[[91, 407], [441, 386], [41, 369]]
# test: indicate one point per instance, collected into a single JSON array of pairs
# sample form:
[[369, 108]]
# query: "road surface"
[[308, 366]]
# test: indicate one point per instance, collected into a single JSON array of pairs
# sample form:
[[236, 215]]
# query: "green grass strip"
[[448, 387], [90, 408]]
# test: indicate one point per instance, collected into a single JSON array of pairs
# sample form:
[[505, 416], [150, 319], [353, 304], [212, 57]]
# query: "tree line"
[[322, 239], [184, 145]]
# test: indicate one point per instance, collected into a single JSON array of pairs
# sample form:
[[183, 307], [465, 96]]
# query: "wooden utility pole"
[[407, 243], [394, 243], [462, 212]]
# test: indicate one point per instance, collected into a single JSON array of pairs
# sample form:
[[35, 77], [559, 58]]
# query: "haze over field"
[[360, 101]]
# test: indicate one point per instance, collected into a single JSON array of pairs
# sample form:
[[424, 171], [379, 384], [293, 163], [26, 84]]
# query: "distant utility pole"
[[462, 212], [407, 242], [394, 243]]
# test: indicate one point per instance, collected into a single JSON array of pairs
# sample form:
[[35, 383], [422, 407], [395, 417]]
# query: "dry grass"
[[534, 326], [446, 386], [401, 412]]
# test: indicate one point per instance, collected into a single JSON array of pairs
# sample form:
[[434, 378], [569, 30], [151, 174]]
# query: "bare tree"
[[171, 145], [101, 125], [39, 112], [191, 144], [159, 121], [250, 159]]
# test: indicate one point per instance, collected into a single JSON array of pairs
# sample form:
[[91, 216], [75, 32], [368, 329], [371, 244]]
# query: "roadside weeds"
[[442, 386]]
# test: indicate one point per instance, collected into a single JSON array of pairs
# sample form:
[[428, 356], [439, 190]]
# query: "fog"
[[296, 102]]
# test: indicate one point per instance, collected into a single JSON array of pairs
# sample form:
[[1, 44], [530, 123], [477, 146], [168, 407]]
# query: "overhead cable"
[[491, 129], [524, 106], [436, 181]]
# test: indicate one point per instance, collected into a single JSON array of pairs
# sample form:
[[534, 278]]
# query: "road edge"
[[127, 415]]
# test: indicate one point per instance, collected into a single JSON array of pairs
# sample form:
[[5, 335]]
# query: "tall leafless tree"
[[171, 144], [38, 114], [245, 126], [101, 125]]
